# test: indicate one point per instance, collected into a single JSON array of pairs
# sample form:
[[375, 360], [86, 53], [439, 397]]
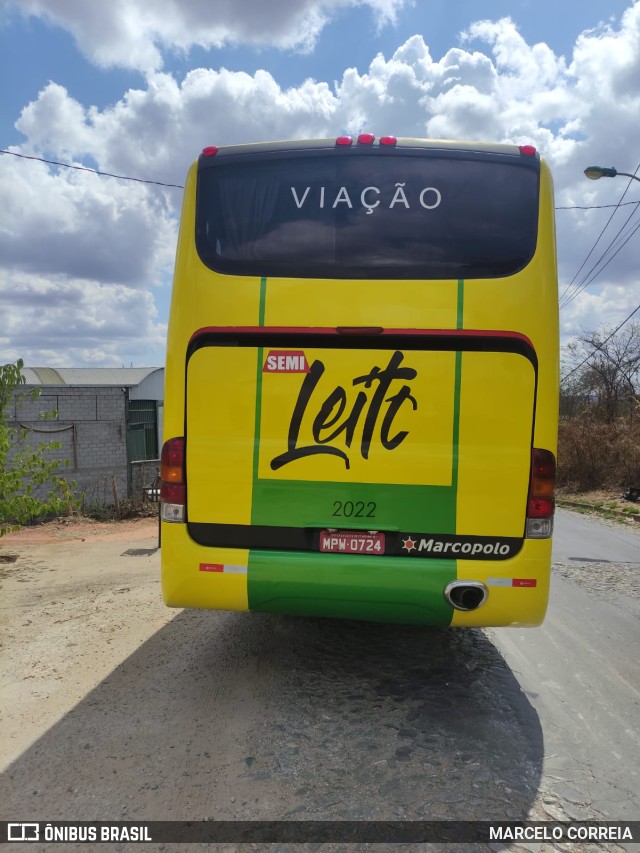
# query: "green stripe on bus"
[[460, 309], [379, 589], [263, 301], [356, 506]]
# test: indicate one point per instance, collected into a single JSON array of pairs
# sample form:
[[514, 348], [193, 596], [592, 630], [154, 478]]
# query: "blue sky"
[[115, 86], [36, 51]]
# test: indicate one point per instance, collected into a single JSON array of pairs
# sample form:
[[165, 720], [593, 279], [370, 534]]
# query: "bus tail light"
[[172, 489], [541, 503]]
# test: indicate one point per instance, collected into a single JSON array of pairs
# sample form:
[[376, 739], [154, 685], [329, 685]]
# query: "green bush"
[[30, 484]]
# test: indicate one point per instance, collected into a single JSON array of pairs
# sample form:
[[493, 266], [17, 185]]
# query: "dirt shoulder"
[[81, 529], [77, 598]]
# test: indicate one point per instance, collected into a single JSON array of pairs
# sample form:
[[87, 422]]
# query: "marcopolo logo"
[[460, 547]]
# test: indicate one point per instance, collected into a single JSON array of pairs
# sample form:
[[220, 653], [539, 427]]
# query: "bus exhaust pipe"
[[466, 595]]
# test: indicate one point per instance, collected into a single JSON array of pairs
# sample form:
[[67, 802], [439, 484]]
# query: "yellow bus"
[[362, 383]]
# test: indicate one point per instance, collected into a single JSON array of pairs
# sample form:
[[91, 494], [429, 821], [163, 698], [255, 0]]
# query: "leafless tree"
[[601, 374]]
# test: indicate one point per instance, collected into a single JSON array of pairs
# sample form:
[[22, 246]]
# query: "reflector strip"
[[228, 568], [512, 582]]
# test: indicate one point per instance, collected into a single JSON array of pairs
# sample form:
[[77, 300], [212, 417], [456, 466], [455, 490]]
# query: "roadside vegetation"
[[127, 508], [599, 434], [31, 486]]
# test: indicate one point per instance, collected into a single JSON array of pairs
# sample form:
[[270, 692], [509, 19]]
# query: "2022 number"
[[354, 509]]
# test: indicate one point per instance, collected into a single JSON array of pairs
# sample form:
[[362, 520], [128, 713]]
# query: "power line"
[[93, 171], [181, 186], [568, 295], [596, 206], [620, 239], [600, 345], [601, 264], [624, 240]]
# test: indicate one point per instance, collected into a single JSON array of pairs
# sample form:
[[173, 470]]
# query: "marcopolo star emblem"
[[409, 544]]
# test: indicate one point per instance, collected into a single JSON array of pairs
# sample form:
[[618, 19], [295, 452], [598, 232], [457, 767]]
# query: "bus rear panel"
[[361, 400]]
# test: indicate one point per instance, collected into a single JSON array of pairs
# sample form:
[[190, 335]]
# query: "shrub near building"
[[30, 486]]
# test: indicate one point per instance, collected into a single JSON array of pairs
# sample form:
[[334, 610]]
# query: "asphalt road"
[[121, 709], [583, 538], [580, 671]]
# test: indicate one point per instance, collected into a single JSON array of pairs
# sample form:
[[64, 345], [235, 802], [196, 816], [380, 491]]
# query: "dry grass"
[[598, 456]]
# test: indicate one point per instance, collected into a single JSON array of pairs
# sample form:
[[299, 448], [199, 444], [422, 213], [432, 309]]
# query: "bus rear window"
[[368, 217]]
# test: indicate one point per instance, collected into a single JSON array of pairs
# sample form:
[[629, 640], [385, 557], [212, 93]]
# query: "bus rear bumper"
[[383, 589]]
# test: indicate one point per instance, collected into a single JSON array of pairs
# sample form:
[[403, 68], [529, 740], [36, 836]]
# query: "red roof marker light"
[[529, 150], [366, 139], [210, 151], [388, 140], [344, 140]]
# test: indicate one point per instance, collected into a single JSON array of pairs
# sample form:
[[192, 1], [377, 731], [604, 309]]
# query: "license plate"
[[351, 542]]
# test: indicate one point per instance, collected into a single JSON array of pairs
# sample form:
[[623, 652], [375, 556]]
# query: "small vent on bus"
[[172, 489]]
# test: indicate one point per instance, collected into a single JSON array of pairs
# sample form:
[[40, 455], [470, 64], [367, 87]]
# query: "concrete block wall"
[[95, 441]]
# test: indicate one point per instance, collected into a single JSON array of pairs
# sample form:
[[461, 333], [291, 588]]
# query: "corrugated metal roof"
[[86, 376], [43, 376]]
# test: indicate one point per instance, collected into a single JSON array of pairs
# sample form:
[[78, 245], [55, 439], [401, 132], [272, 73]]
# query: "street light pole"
[[596, 172]]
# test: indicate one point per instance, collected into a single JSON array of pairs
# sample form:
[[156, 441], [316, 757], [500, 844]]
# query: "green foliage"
[[30, 485]]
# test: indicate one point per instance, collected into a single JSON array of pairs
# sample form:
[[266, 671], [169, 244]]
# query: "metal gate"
[[143, 430]]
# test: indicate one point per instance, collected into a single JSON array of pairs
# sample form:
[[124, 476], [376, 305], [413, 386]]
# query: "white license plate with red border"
[[351, 542]]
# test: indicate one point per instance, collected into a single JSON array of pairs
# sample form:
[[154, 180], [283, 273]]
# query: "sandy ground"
[[80, 529], [62, 625]]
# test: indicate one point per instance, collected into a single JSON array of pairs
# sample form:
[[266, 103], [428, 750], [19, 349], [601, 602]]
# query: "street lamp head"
[[595, 172]]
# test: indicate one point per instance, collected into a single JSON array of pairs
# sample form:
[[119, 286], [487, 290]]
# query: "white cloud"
[[512, 92], [133, 33], [157, 131], [120, 237], [609, 304], [83, 226], [60, 321]]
